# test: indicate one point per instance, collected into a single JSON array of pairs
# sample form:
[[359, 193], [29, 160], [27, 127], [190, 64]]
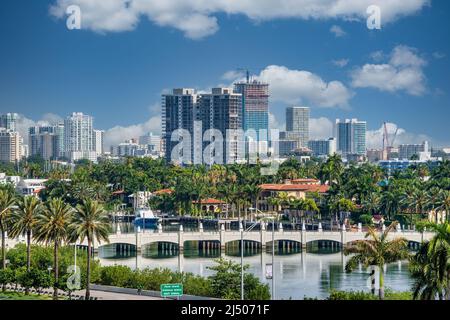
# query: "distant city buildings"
[[153, 142], [322, 148], [420, 151], [351, 137]]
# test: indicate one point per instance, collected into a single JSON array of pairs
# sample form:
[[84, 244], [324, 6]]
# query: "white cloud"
[[403, 72], [275, 124], [296, 86], [338, 31], [24, 123], [119, 134], [197, 18], [320, 128], [375, 137], [341, 62]]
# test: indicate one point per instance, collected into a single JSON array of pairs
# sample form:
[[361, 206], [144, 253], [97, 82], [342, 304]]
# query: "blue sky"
[[125, 56]]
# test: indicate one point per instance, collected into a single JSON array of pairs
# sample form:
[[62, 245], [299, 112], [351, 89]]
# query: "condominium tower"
[[351, 137]]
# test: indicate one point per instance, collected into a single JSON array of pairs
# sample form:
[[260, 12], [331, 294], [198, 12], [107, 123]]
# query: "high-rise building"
[[351, 137], [179, 111], [43, 142], [222, 111], [10, 146], [78, 137], [255, 106], [59, 132], [9, 121], [297, 124], [320, 148], [407, 151], [98, 139]]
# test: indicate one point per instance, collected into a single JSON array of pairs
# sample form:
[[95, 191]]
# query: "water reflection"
[[298, 274]]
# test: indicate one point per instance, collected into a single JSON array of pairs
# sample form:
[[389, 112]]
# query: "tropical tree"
[[7, 203], [23, 221], [90, 222], [51, 228], [377, 250], [430, 267]]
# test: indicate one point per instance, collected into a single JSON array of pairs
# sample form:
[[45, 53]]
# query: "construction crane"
[[387, 147]]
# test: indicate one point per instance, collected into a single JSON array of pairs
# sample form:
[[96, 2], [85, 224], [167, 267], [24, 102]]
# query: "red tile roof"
[[164, 191], [295, 187], [210, 201], [307, 180]]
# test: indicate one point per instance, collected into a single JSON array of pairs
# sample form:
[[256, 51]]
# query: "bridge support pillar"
[[180, 239], [222, 237]]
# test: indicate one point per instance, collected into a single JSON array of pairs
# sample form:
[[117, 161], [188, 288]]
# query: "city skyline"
[[114, 71]]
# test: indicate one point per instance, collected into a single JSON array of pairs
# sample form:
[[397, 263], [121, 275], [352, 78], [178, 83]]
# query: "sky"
[[318, 54]]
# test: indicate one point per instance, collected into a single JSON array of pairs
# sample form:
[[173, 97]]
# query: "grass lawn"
[[21, 296]]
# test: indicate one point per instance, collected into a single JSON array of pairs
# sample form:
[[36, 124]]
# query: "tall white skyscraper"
[[79, 137], [98, 141], [351, 137]]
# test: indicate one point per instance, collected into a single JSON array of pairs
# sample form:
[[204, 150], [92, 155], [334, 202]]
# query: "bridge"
[[254, 239]]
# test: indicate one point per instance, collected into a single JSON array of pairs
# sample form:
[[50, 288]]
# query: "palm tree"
[[92, 223], [7, 203], [377, 251], [51, 227], [23, 221], [443, 203], [430, 267]]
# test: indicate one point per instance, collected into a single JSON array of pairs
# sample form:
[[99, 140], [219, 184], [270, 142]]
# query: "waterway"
[[297, 274]]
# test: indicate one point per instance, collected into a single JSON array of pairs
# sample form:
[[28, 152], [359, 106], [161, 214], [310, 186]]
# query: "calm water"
[[312, 273]]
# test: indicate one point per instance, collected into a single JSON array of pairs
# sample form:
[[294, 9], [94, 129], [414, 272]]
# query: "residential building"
[[79, 137], [322, 148], [98, 139], [8, 121], [179, 111], [351, 137], [297, 124], [222, 111], [153, 142], [10, 146], [43, 142]]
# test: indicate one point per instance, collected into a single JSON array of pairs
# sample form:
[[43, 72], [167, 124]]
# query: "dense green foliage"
[[224, 284], [361, 295]]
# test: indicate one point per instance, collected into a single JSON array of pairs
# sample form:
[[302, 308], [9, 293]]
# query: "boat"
[[145, 218]]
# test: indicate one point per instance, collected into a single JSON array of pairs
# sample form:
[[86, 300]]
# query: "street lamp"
[[242, 252]]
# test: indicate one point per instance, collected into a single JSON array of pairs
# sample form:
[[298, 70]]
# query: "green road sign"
[[171, 290]]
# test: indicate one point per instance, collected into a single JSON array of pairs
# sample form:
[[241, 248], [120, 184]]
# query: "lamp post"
[[242, 252]]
